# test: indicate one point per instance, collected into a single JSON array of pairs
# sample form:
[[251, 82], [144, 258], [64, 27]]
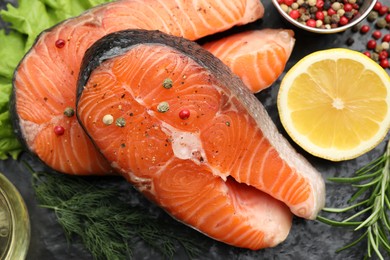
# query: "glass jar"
[[14, 222]]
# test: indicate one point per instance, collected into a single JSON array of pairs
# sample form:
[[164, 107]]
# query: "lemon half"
[[335, 104]]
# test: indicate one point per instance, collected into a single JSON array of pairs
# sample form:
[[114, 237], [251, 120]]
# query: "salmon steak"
[[44, 84], [185, 131], [258, 57]]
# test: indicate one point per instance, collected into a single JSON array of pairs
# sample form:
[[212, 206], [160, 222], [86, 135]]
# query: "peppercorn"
[[184, 114], [350, 41], [311, 23], [367, 53], [69, 112], [349, 15], [372, 16], [60, 43], [355, 28], [336, 6], [371, 44], [327, 4], [364, 29], [377, 34], [375, 56], [59, 130], [343, 20], [163, 107], [294, 14], [121, 122], [167, 83], [377, 6], [386, 38], [385, 45], [378, 48], [383, 10], [383, 55], [381, 23], [312, 2], [387, 18], [320, 15], [335, 18], [384, 63], [108, 119]]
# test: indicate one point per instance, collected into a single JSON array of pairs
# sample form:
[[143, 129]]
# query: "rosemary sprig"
[[106, 223], [371, 201]]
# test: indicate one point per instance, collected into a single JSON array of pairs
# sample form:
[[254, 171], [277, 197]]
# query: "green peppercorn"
[[167, 83], [335, 18], [327, 20], [372, 16], [121, 122], [381, 23], [69, 112], [163, 107], [375, 56]]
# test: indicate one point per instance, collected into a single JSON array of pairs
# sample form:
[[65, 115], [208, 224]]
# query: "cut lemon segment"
[[335, 103]]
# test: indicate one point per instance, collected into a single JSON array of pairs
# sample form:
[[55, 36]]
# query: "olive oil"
[[14, 222]]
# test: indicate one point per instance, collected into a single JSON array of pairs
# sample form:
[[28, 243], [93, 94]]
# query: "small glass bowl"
[[14, 222], [364, 10]]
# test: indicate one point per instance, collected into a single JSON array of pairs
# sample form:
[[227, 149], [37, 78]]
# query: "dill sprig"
[[106, 223], [371, 202]]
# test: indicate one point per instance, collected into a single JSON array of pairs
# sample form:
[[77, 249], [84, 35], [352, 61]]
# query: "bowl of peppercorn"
[[324, 16]]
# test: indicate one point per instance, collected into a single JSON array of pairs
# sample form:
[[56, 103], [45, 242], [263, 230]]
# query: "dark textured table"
[[307, 239]]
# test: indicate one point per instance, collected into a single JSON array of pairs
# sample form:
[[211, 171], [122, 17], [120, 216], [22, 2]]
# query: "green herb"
[[104, 220], [369, 212]]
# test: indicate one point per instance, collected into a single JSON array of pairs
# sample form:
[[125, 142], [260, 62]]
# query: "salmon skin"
[[258, 57], [188, 134], [44, 83]]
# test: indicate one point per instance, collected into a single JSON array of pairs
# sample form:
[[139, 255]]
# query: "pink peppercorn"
[[377, 34], [59, 130], [184, 114], [348, 7], [311, 23], [377, 6], [383, 55], [387, 18], [288, 2], [384, 63], [331, 11], [364, 29], [294, 14], [60, 43], [367, 53], [371, 44], [320, 15], [343, 20], [384, 9], [320, 4], [386, 38]]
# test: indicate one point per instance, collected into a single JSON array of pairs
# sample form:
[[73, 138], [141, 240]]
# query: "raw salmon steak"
[[179, 125], [258, 57], [45, 81]]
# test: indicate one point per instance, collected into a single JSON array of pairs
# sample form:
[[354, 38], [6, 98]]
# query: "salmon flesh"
[[182, 128], [44, 84]]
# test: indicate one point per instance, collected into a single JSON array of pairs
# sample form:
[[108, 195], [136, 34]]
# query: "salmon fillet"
[[45, 81], [258, 57], [190, 163]]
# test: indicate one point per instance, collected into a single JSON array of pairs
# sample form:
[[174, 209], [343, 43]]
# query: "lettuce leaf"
[[9, 145], [27, 21], [11, 51]]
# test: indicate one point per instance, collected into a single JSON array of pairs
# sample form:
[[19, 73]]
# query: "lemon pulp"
[[335, 103]]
